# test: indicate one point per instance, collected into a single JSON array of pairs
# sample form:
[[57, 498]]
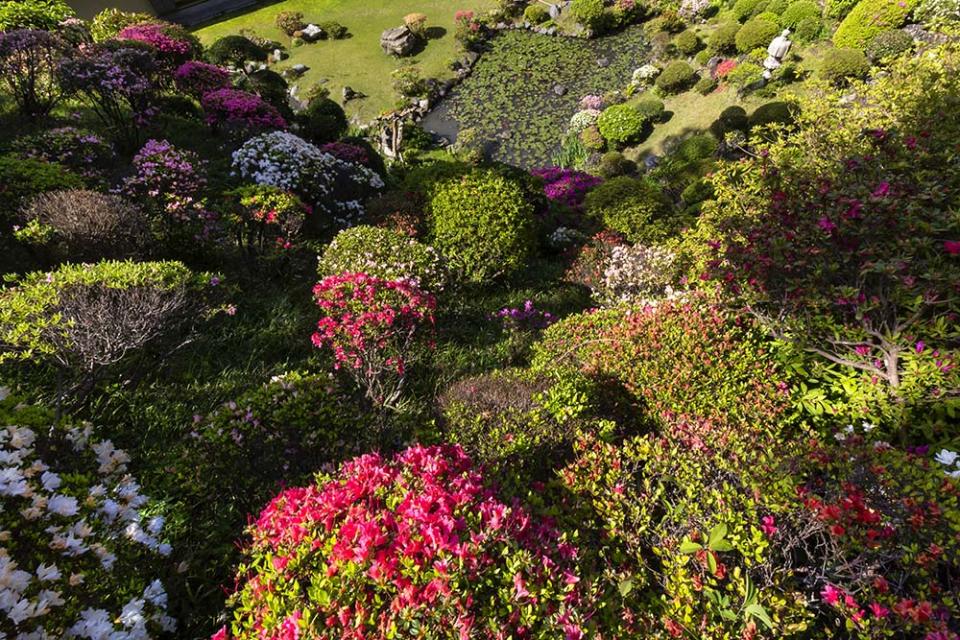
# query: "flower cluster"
[[645, 74], [371, 325], [724, 68], [170, 178], [564, 237], [83, 151], [590, 261], [951, 461], [592, 102], [199, 78], [240, 110], [283, 160], [636, 274], [160, 37], [347, 152], [566, 186], [74, 545], [583, 120], [414, 546], [525, 318]]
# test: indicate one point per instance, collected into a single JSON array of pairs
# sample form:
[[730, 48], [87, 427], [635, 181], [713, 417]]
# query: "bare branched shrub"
[[88, 225]]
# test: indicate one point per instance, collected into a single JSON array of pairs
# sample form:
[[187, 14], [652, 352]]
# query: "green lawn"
[[357, 61]]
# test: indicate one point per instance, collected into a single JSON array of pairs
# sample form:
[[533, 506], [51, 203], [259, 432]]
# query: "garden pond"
[[525, 87]]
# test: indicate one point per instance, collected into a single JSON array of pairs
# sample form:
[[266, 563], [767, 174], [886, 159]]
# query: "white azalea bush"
[[76, 550], [636, 274], [583, 120], [645, 74], [330, 185]]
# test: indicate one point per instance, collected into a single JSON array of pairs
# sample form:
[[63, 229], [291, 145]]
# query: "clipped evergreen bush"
[[676, 77], [650, 107], [889, 44], [797, 11], [756, 34], [840, 65], [870, 18], [536, 14], [724, 38], [635, 208], [620, 124], [323, 121], [234, 51], [687, 42]]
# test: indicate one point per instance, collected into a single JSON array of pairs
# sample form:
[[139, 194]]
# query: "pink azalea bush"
[[241, 110], [566, 186], [417, 546], [170, 179], [372, 326], [199, 78], [171, 42]]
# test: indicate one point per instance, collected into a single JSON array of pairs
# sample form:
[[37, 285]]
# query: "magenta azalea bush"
[[170, 179], [240, 110], [566, 186], [171, 43], [417, 546], [197, 78]]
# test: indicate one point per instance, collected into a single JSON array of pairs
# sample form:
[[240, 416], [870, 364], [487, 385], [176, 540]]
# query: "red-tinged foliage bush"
[[592, 258], [414, 546], [372, 326]]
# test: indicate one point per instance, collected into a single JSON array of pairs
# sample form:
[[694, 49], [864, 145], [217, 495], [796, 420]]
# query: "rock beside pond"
[[399, 41], [603, 63], [295, 71], [312, 33], [559, 89]]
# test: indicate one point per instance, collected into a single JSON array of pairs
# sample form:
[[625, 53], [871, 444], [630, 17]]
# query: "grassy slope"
[[358, 61]]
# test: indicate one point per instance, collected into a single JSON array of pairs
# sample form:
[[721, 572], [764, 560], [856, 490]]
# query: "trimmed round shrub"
[[687, 42], [334, 30], [676, 77], [840, 65], [589, 13], [724, 38], [80, 557], [234, 51], [697, 191], [838, 9], [697, 147], [769, 16], [384, 254], [756, 34], [35, 14], [889, 44], [808, 30], [746, 9], [23, 178], [289, 22], [87, 225], [109, 22], [777, 111], [483, 224], [650, 107], [733, 118], [870, 18], [413, 546], [797, 11], [705, 85], [613, 164], [323, 121], [637, 209], [620, 124], [269, 85], [536, 14]]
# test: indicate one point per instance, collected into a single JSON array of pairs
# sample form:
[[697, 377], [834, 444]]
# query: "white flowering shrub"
[[583, 120], [332, 186], [76, 551], [564, 237], [692, 9], [636, 274], [646, 74]]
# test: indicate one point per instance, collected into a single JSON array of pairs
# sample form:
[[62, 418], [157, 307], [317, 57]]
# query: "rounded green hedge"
[[745, 9], [676, 77], [843, 64], [808, 30], [799, 10], [620, 124], [482, 223], [323, 121], [870, 18], [234, 51], [724, 38], [587, 12], [536, 14], [636, 208], [650, 107], [776, 111], [756, 34], [687, 42]]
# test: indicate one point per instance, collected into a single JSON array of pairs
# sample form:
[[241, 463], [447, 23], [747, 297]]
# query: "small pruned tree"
[[29, 59]]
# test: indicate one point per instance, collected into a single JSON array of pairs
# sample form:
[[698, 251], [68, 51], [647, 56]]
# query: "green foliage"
[[483, 225], [621, 124], [24, 178], [756, 34], [334, 30], [889, 44], [778, 111], [696, 192], [838, 9], [650, 107], [870, 18], [289, 22], [808, 29], [33, 14], [383, 253], [746, 9], [613, 164], [937, 11], [588, 12], [724, 38], [841, 65], [234, 51], [323, 121], [687, 42], [536, 13], [705, 85], [636, 208], [110, 22], [798, 11], [676, 77], [733, 118], [697, 147]]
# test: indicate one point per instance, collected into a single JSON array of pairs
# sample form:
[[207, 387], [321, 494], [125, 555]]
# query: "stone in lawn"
[[296, 71], [349, 94], [603, 63], [399, 41], [312, 33]]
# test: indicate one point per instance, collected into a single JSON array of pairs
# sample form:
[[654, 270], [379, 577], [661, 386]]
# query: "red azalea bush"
[[372, 325], [411, 547], [240, 110], [197, 78]]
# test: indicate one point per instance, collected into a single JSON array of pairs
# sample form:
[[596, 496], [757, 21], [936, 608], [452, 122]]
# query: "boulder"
[[559, 89], [399, 41], [312, 33]]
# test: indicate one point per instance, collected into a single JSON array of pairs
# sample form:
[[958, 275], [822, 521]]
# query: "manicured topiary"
[[777, 111], [870, 18], [636, 208], [697, 147], [323, 121], [676, 77], [724, 38], [840, 65], [234, 51], [334, 30], [889, 44], [482, 223], [808, 29], [799, 10], [746, 9], [705, 85], [756, 34], [687, 42], [650, 107], [536, 13], [733, 118], [620, 124], [613, 164]]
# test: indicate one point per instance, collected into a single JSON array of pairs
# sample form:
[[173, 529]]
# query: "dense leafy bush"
[[614, 163], [334, 30], [746, 9], [385, 254], [868, 19], [838, 9], [650, 107], [80, 557], [234, 51], [889, 44], [199, 78], [756, 34], [705, 85], [733, 118], [109, 22], [170, 182], [79, 150], [635, 208], [86, 225], [841, 65], [676, 77], [29, 60], [778, 112], [173, 44], [620, 124], [483, 225], [536, 14], [798, 11], [417, 23], [323, 121], [697, 147], [808, 30], [240, 111], [588, 12], [289, 22], [724, 38], [37, 14], [24, 178], [687, 42], [411, 545]]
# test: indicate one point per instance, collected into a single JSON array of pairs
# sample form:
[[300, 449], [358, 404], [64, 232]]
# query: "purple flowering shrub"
[[347, 152], [171, 180], [240, 111], [80, 150], [567, 187], [522, 325], [172, 43], [120, 85], [29, 59], [197, 78]]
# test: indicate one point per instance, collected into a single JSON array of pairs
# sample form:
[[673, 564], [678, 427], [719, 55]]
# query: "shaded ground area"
[[525, 88]]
